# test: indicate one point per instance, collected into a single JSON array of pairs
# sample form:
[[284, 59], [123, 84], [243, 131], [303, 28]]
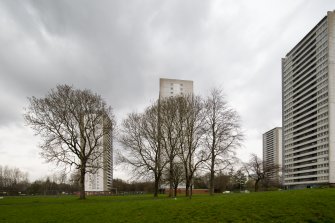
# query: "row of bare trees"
[[176, 137], [12, 179], [172, 140], [253, 175]]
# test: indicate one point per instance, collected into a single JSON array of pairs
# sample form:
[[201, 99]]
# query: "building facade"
[[272, 151], [100, 180], [174, 87], [308, 100]]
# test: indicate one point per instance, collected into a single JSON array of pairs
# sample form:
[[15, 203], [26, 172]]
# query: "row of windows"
[[323, 109], [322, 80], [323, 152], [322, 90], [304, 162], [320, 67], [320, 34], [322, 77], [321, 134], [289, 127], [291, 155], [323, 146], [288, 168], [325, 114], [309, 179], [323, 178], [303, 71], [322, 29], [321, 103], [323, 140], [320, 38], [289, 140], [323, 165], [323, 128], [322, 96], [289, 152], [289, 104], [288, 99], [322, 42], [322, 60], [180, 88], [321, 52], [172, 84], [323, 69]]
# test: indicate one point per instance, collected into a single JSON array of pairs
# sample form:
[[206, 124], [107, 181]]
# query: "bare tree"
[[169, 122], [73, 124], [258, 170], [191, 125], [141, 141], [222, 133]]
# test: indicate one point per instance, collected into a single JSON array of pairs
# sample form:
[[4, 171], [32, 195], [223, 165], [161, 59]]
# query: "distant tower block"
[[272, 151], [174, 87], [101, 180]]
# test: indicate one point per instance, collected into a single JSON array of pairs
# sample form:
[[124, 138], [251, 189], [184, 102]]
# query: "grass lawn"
[[310, 205]]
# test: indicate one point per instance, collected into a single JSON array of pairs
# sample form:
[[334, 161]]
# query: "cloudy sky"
[[120, 49]]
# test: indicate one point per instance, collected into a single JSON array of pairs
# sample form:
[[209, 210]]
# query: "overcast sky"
[[120, 49]]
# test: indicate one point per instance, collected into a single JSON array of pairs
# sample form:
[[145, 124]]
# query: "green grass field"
[[312, 205]]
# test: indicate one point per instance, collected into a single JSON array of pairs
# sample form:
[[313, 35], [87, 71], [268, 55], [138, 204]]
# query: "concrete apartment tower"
[[174, 87], [272, 151], [308, 94], [101, 181]]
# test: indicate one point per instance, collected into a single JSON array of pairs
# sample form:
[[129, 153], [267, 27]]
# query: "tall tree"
[[191, 123], [222, 133], [141, 141], [171, 133], [72, 124]]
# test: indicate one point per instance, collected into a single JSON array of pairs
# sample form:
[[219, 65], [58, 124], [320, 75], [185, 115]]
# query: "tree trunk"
[[191, 191], [175, 191], [211, 180], [171, 178], [156, 186], [82, 184], [256, 185], [187, 189]]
